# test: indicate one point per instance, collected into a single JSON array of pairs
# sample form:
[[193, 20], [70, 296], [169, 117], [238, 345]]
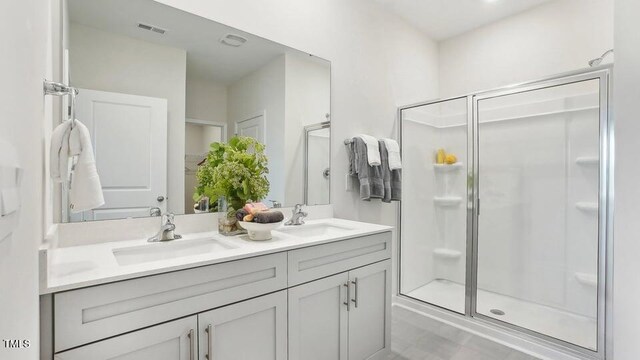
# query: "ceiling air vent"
[[152, 28], [233, 40]]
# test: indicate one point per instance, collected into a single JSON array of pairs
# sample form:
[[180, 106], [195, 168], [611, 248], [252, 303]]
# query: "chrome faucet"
[[297, 218], [167, 230]]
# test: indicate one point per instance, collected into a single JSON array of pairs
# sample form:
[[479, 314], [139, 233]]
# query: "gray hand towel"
[[370, 177], [391, 179]]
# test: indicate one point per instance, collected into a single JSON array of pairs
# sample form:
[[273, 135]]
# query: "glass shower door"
[[434, 211], [538, 233]]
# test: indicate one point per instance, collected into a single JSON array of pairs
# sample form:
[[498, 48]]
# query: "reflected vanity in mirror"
[[158, 86]]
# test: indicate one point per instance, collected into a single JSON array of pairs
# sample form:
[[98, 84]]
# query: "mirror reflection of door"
[[199, 134], [129, 134], [252, 127]]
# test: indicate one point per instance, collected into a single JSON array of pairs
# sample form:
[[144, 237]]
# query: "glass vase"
[[227, 225]]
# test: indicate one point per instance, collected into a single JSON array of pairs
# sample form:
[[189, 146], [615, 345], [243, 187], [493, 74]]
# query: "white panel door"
[[250, 330], [253, 127], [175, 340], [129, 135], [318, 319], [369, 317]]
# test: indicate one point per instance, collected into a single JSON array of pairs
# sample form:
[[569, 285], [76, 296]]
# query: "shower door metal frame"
[[605, 211], [603, 206]]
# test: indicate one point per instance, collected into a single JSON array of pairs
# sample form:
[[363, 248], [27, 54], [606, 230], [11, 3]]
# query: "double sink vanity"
[[321, 290]]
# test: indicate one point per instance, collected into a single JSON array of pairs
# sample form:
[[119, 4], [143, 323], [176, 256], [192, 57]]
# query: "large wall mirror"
[[159, 85]]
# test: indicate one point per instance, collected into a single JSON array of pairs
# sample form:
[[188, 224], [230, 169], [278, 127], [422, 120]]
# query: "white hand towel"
[[393, 149], [373, 149], [86, 190], [59, 152]]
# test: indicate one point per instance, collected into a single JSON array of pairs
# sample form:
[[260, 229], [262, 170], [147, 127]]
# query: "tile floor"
[[415, 337]]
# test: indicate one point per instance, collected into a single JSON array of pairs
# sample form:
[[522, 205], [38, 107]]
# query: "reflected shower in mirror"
[[316, 160], [159, 85]]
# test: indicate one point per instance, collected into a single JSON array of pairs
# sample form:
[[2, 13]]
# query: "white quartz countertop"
[[80, 266]]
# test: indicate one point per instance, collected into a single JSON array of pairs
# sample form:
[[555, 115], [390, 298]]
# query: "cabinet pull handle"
[[209, 331], [192, 345], [355, 292], [348, 303]]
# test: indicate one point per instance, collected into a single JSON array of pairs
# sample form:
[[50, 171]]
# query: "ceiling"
[[442, 19], [206, 57]]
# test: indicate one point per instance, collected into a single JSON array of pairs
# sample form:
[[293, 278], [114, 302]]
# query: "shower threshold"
[[576, 329]]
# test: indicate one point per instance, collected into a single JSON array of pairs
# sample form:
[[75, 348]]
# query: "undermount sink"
[[167, 250], [310, 230]]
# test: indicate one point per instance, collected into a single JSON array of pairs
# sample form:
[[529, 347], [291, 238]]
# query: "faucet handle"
[[297, 208], [276, 204], [168, 218]]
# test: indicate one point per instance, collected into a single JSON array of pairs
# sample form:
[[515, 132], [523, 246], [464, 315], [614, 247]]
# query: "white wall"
[[307, 101], [109, 62], [263, 91], [23, 34], [626, 317], [206, 100], [553, 38]]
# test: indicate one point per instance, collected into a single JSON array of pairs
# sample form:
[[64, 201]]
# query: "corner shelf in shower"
[[443, 168], [586, 279], [587, 160], [445, 253], [587, 206], [447, 201]]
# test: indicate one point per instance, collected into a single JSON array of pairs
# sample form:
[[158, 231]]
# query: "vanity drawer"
[[98, 312], [315, 262]]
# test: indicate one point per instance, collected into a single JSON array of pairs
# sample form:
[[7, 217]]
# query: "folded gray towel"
[[370, 177], [391, 179], [268, 217], [396, 185]]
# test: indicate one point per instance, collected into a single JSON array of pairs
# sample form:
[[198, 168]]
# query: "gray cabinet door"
[[369, 316], [255, 329], [175, 340], [318, 319]]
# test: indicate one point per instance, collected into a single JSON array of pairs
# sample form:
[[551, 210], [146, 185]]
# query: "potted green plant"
[[235, 173]]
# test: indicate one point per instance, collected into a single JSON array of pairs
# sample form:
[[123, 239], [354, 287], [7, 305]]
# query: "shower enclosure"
[[512, 230]]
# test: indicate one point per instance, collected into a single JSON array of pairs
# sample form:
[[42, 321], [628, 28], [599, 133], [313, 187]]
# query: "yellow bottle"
[[440, 156]]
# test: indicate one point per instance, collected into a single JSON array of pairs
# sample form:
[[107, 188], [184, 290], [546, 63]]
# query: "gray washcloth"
[[268, 217], [391, 178], [370, 177], [396, 185]]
